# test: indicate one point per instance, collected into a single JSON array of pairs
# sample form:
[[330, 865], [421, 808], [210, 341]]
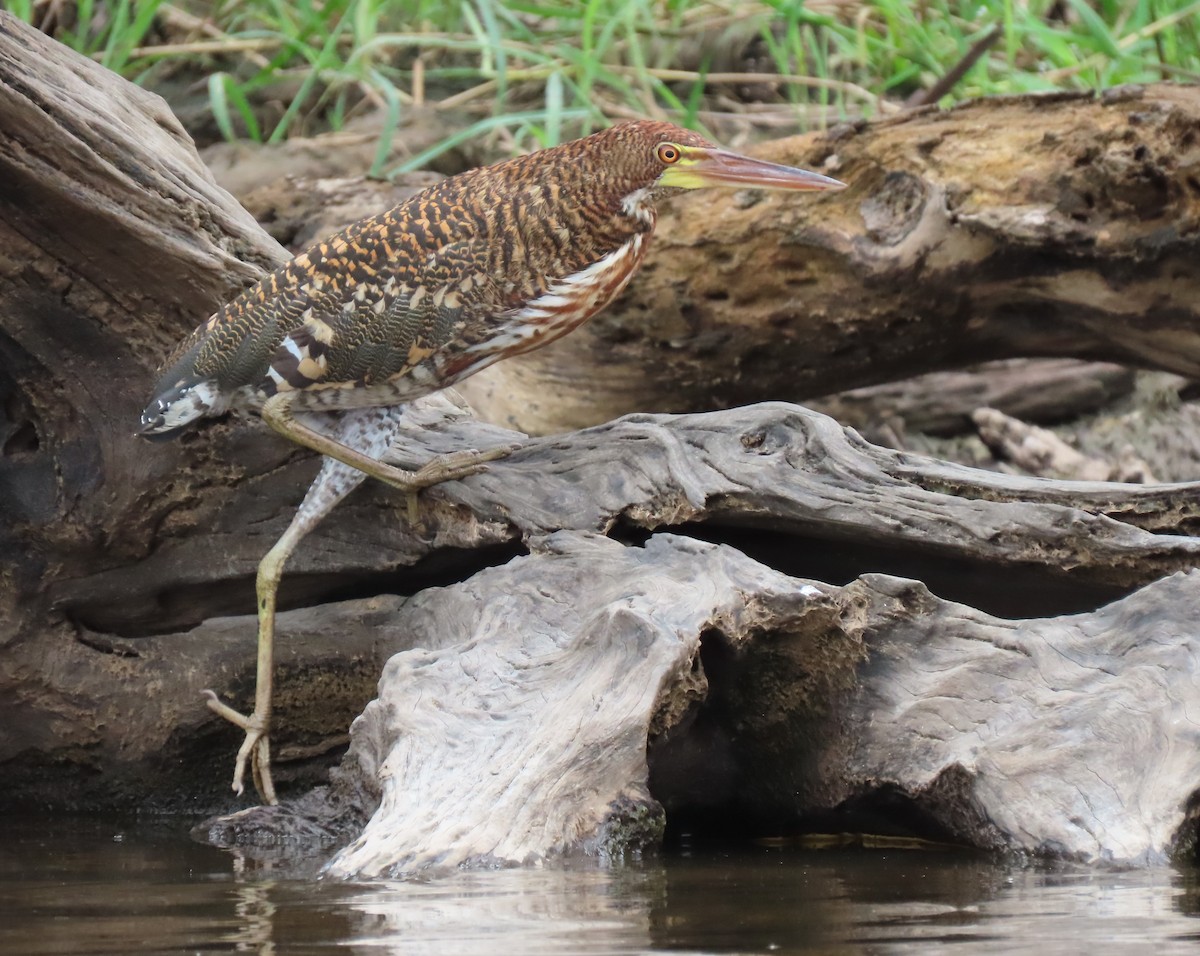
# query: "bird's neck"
[[554, 230]]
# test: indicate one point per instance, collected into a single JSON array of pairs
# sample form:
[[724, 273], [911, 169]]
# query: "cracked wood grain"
[[805, 474], [492, 744]]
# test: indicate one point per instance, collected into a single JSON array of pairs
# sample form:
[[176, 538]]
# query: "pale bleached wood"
[[525, 739], [1039, 451], [799, 472], [1071, 737], [518, 732]]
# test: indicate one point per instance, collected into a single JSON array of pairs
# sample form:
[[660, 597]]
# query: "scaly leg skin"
[[360, 435], [371, 431], [332, 484]]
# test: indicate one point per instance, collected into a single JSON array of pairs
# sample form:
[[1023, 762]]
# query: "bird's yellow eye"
[[668, 153]]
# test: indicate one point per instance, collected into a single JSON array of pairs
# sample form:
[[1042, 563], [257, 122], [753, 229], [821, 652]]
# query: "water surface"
[[95, 887]]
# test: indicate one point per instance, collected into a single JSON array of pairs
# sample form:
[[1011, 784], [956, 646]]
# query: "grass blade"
[[474, 130]]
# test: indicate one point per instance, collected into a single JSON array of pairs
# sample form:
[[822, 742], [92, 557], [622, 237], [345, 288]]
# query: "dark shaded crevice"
[[704, 769], [442, 568], [1014, 592], [883, 812], [720, 774], [1185, 848], [22, 441], [695, 769], [717, 773], [188, 605], [28, 469], [104, 644]]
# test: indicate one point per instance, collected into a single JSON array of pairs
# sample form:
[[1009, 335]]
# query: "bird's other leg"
[[370, 430], [279, 413]]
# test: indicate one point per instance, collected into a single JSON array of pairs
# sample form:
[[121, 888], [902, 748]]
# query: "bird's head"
[[661, 157]]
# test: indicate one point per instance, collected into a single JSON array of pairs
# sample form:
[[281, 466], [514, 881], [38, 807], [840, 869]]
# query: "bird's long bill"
[[718, 167]]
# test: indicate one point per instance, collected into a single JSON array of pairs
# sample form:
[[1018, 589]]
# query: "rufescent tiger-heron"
[[490, 263]]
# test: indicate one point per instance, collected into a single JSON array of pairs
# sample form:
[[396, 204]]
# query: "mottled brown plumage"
[[490, 263], [433, 289]]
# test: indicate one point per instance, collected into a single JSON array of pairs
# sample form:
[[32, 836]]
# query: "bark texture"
[[114, 243]]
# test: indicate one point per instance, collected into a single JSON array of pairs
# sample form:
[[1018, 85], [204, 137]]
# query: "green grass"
[[542, 70]]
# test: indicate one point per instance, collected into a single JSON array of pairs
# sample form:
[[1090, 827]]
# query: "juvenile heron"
[[490, 263]]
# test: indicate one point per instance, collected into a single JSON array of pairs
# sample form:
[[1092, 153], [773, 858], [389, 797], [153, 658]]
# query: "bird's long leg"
[[279, 414], [256, 746], [371, 431], [360, 437]]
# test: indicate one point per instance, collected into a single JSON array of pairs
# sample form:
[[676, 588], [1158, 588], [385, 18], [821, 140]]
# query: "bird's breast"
[[567, 302]]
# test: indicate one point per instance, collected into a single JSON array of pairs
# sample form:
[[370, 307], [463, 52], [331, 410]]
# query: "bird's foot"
[[448, 467], [256, 749]]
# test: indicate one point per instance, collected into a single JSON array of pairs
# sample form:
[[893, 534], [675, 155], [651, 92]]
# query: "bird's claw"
[[256, 748], [457, 464], [219, 707], [448, 467]]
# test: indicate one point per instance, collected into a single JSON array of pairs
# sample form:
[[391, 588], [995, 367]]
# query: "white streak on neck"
[[637, 206]]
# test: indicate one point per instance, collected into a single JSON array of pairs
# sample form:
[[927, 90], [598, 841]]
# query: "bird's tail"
[[181, 395]]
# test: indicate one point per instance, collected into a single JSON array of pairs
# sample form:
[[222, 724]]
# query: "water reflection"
[[96, 888], [540, 911]]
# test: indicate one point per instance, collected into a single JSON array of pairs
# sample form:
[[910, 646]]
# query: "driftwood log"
[[723, 599], [943, 403], [765, 695]]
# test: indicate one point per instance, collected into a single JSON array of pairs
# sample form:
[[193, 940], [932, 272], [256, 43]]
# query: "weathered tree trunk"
[[120, 560], [114, 243]]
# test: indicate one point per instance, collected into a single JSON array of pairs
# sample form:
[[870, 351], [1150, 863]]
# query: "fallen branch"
[[1041, 452]]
